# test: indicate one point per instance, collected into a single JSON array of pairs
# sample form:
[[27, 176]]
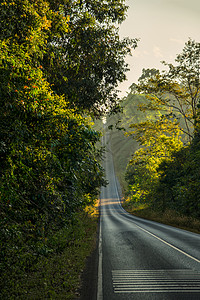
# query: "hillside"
[[124, 146]]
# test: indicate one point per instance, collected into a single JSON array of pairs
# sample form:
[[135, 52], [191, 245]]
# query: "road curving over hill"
[[141, 259]]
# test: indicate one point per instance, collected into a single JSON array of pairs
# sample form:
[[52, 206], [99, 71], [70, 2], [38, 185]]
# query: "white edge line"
[[100, 283], [99, 294], [100, 264], [163, 241], [159, 291], [170, 245]]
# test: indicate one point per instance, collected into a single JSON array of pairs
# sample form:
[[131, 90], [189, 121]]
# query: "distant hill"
[[124, 146]]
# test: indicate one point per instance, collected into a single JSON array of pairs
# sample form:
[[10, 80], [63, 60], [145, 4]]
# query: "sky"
[[163, 27]]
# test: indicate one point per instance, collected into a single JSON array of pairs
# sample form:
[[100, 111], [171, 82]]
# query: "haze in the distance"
[[163, 27]]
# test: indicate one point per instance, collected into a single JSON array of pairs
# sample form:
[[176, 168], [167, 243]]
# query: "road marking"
[[170, 245], [100, 265], [163, 241], [153, 284], [156, 281], [100, 283]]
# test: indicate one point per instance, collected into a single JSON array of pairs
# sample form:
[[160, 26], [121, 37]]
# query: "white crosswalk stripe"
[[154, 281]]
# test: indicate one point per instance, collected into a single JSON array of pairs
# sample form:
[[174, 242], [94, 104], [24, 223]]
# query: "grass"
[[58, 275], [169, 217]]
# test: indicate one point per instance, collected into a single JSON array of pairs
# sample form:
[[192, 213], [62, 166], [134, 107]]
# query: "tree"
[[49, 166], [163, 172], [87, 63], [158, 140], [60, 61], [177, 90]]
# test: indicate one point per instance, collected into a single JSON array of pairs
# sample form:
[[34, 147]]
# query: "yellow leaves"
[[29, 38], [68, 18], [93, 206], [60, 22], [65, 23], [159, 140], [46, 24], [7, 3]]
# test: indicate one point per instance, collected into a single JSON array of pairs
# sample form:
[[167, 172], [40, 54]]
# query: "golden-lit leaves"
[[176, 90]]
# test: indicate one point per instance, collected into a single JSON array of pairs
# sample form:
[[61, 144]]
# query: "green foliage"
[[87, 63], [56, 271], [177, 90], [59, 61], [163, 173], [179, 182], [159, 139]]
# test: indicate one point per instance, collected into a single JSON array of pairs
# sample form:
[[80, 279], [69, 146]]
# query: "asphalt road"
[[140, 259]]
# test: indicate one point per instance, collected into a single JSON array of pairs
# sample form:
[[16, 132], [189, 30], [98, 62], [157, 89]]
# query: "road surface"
[[141, 259]]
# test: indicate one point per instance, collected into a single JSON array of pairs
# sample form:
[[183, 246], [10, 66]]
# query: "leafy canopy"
[[176, 91], [163, 172], [60, 61], [87, 63]]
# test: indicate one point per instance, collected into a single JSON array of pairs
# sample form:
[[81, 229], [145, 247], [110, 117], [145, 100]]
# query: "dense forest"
[[61, 63], [161, 113]]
